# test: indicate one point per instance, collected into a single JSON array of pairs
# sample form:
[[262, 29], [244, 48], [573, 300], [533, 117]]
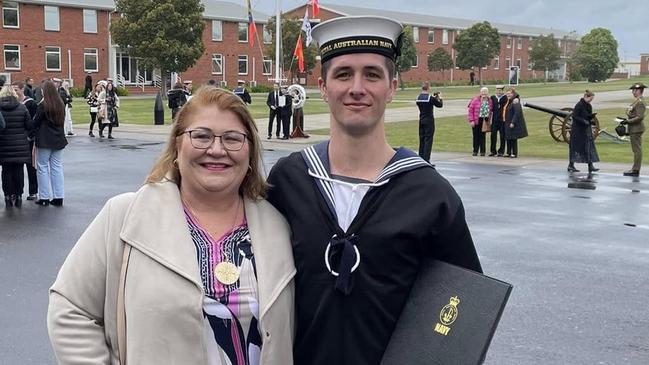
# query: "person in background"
[[196, 256], [176, 99], [635, 121], [479, 115], [274, 110], [109, 100], [358, 243], [582, 143], [14, 146], [286, 111], [425, 102], [497, 125], [88, 85], [29, 88], [241, 92], [50, 142], [32, 107], [94, 104], [515, 127], [64, 91], [211, 82], [188, 89]]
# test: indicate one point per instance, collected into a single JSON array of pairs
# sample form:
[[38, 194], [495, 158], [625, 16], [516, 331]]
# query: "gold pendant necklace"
[[226, 272]]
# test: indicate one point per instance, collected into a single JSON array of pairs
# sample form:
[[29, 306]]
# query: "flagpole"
[[278, 22]]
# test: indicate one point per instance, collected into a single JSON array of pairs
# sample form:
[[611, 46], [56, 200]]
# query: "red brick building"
[[431, 32], [644, 63]]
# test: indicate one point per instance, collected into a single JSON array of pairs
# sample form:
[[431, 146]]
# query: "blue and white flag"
[[306, 27]]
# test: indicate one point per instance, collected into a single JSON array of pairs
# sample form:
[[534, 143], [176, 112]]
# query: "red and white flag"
[[316, 8], [252, 28]]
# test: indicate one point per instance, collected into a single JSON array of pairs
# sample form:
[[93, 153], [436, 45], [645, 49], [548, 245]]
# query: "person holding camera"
[[425, 103], [636, 127]]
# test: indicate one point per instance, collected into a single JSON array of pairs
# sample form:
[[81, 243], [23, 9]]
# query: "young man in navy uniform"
[[357, 241], [241, 92], [425, 103]]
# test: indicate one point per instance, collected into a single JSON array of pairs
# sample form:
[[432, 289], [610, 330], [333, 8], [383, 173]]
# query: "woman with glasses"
[[193, 268]]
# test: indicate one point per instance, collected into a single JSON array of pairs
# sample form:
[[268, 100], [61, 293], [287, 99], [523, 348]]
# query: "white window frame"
[[519, 43], [53, 11], [496, 63], [267, 34], [243, 27], [444, 36], [509, 42], [529, 44], [416, 63], [89, 14], [217, 58], [415, 34], [430, 32], [11, 6], [508, 62], [269, 62], [529, 65], [519, 63], [217, 24], [242, 58], [4, 53], [88, 52], [58, 52]]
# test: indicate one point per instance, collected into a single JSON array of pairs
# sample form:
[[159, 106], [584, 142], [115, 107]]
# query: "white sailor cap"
[[187, 82], [501, 87], [241, 82], [56, 79], [358, 34]]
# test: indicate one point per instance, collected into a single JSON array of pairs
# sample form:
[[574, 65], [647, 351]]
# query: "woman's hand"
[[511, 125]]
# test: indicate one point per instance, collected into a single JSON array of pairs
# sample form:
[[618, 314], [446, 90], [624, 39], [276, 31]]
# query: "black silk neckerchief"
[[343, 247]]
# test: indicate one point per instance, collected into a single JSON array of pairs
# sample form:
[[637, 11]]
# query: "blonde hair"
[[8, 90], [253, 185], [588, 93]]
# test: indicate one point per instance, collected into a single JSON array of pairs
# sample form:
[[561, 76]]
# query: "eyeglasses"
[[203, 139]]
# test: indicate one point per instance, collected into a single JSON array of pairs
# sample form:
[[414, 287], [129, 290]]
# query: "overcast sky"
[[627, 20]]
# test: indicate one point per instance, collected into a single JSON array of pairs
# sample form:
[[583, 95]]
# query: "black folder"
[[449, 318]]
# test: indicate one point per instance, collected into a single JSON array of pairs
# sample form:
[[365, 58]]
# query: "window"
[[243, 32], [267, 34], [12, 56], [415, 34], [217, 30], [445, 36], [529, 65], [267, 66], [243, 64], [51, 18], [89, 21], [508, 62], [10, 14], [53, 58], [496, 63], [416, 63], [90, 60], [509, 41], [519, 43], [431, 36], [529, 44], [217, 64], [518, 63]]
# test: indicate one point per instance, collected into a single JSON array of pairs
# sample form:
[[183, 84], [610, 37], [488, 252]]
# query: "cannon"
[[560, 122]]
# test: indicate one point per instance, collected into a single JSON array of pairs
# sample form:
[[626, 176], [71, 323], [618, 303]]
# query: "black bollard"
[[158, 110]]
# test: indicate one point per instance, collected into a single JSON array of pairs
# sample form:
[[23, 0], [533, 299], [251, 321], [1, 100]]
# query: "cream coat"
[[163, 291]]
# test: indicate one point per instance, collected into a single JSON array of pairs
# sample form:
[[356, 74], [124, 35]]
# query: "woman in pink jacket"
[[480, 110]]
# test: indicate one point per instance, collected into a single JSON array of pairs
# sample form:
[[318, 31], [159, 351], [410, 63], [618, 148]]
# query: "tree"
[[440, 60], [408, 55], [596, 56], [545, 54], [291, 28], [477, 47], [163, 34]]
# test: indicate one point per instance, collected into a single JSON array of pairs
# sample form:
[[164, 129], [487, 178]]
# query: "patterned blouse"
[[230, 312], [484, 109]]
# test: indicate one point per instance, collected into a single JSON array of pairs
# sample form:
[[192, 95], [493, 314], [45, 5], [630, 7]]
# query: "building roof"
[[213, 9], [424, 20]]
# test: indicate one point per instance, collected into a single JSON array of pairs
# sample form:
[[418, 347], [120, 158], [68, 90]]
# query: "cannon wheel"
[[557, 126], [565, 133]]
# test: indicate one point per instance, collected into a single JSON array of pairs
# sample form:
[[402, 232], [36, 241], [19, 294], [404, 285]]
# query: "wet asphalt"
[[576, 249]]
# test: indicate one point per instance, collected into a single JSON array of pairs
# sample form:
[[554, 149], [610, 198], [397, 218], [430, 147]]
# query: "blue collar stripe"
[[317, 168]]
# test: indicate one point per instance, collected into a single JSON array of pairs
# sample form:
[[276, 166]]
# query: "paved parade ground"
[[575, 248]]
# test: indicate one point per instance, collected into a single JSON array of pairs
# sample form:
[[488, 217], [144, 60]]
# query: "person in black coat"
[[88, 85], [20, 88], [274, 113], [14, 146], [176, 99], [497, 125], [582, 144], [515, 126]]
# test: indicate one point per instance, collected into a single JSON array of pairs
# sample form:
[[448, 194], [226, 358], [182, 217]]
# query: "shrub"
[[261, 89], [121, 91], [76, 92]]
